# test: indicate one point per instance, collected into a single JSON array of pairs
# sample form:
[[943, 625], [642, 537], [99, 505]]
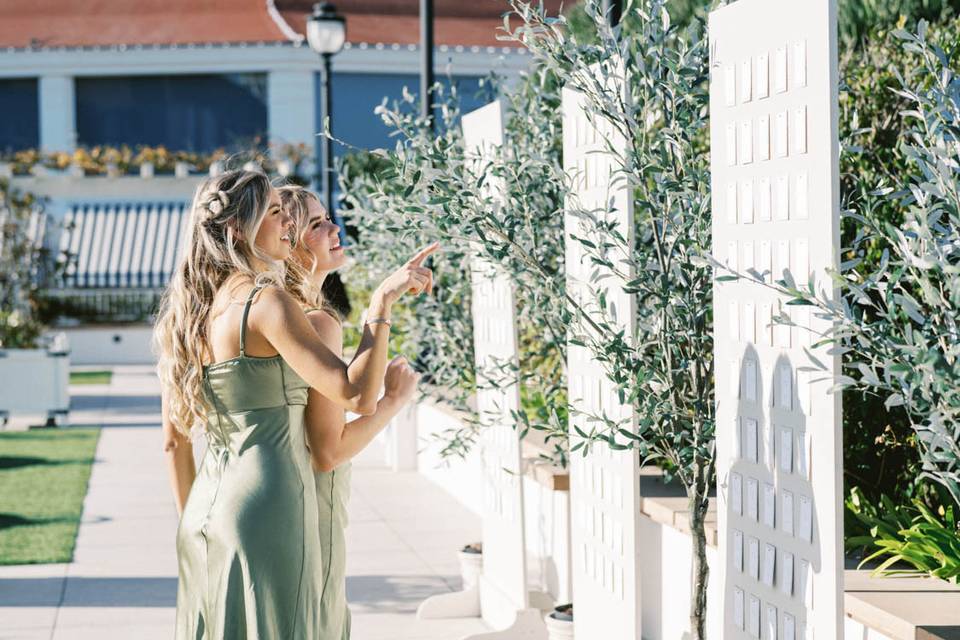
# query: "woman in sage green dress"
[[237, 357], [331, 440]]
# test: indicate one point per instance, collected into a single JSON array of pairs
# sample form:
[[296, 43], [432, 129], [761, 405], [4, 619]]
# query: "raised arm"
[[356, 386], [178, 452], [332, 440]]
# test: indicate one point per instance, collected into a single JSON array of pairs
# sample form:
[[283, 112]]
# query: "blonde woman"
[[333, 441], [237, 357]]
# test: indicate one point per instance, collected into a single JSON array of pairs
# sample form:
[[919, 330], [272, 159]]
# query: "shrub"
[[26, 267], [904, 534]]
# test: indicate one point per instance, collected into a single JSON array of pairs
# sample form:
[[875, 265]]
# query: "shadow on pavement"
[[392, 593], [11, 520], [88, 592]]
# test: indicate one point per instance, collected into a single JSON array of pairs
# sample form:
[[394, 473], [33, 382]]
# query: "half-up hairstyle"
[[225, 216], [295, 201]]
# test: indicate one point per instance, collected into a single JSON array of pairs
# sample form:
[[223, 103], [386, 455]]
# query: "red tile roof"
[[469, 23], [56, 23]]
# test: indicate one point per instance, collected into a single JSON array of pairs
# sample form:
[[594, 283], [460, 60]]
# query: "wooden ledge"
[[668, 504], [549, 475], [904, 608]]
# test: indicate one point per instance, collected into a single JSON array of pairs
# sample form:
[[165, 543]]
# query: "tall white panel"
[[503, 586], [604, 485], [779, 463]]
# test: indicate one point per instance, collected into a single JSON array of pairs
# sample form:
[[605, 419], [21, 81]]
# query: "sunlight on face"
[[319, 247], [274, 235]]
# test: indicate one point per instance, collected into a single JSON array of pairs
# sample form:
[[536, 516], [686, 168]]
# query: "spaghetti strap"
[[243, 321]]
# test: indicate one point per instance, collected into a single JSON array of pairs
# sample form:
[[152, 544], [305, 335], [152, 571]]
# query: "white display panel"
[[604, 485], [779, 460], [503, 586]]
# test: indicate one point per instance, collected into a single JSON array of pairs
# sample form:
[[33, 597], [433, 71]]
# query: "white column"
[[58, 113], [776, 212], [291, 109]]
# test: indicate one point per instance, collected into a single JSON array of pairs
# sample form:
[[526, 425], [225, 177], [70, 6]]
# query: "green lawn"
[[43, 480], [90, 377]]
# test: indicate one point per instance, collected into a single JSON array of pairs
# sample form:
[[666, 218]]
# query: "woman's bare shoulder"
[[325, 324]]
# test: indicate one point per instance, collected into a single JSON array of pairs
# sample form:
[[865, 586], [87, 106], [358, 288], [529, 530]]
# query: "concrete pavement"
[[402, 540]]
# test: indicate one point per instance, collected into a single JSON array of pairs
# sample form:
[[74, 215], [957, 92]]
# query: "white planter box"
[[97, 345], [547, 510], [34, 382]]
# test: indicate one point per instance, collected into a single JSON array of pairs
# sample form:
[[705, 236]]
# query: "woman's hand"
[[412, 277], [400, 380]]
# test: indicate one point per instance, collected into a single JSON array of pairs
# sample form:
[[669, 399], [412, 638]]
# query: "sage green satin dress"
[[333, 493], [250, 561]]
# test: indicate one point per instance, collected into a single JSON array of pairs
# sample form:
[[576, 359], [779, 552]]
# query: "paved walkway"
[[122, 583]]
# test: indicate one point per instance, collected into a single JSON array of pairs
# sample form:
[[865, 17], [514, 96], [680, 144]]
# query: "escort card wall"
[[503, 584], [604, 485], [775, 185]]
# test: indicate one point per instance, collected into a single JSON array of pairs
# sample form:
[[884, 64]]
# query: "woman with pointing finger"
[[331, 440], [237, 357]]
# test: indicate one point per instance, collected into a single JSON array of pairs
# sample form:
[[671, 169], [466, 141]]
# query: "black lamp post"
[[326, 33], [426, 60]]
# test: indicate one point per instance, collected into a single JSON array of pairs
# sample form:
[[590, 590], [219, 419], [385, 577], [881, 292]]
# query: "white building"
[[196, 76]]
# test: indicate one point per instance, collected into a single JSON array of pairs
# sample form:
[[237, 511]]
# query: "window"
[[356, 95], [20, 124], [182, 112]]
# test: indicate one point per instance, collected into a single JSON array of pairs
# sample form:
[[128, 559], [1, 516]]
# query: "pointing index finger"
[[418, 259]]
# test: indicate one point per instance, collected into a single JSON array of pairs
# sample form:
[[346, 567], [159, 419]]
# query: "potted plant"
[[24, 160], [560, 622], [184, 163], [35, 370], [471, 564], [291, 161], [147, 159]]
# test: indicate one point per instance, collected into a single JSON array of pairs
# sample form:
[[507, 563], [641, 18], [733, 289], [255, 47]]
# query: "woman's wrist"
[[379, 307], [391, 403]]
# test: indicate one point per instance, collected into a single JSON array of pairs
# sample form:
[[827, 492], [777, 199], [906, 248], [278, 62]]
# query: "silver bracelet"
[[376, 320]]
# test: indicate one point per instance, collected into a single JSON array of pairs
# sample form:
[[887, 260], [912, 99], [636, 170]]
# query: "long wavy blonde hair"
[[295, 200], [225, 216]]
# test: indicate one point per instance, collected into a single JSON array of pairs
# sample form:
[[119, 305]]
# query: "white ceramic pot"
[[146, 170], [181, 169], [558, 629], [471, 564], [216, 168]]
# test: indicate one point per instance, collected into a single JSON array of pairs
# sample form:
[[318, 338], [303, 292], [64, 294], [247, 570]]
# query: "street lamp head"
[[326, 30]]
